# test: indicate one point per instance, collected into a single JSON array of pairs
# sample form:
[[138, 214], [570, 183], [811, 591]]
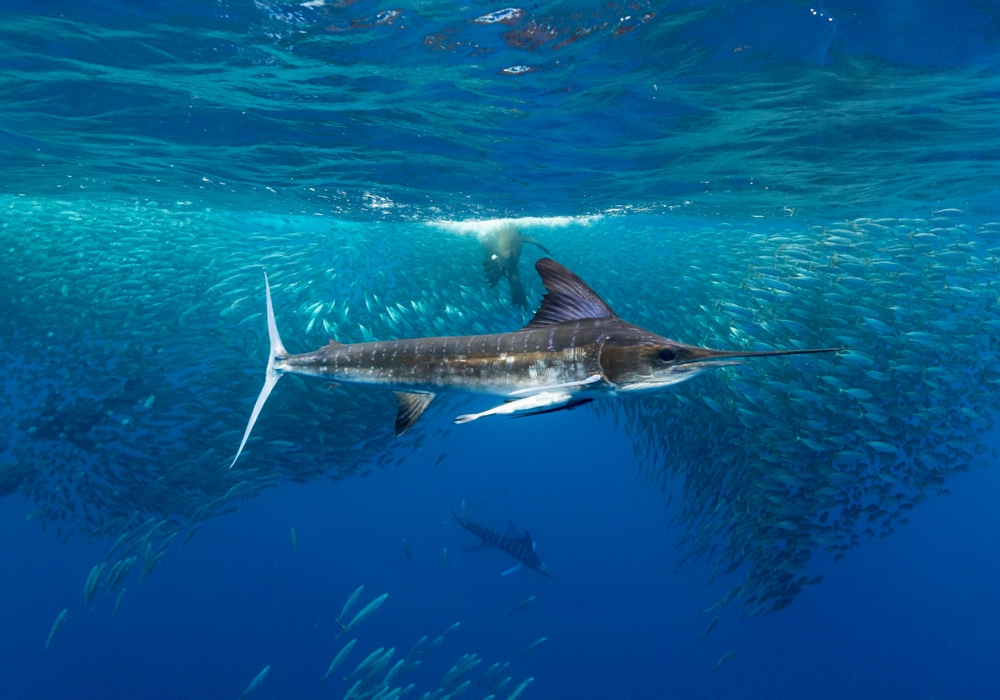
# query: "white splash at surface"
[[485, 227]]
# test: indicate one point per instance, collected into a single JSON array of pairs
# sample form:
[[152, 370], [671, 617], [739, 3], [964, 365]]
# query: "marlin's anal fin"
[[512, 569], [567, 298], [411, 405], [534, 402]]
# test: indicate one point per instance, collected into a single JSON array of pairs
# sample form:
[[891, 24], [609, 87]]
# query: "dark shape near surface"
[[521, 547], [502, 251]]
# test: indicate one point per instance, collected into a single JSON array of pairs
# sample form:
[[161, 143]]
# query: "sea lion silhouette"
[[502, 248]]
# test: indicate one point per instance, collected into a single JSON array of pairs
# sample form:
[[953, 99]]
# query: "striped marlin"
[[574, 350], [521, 547]]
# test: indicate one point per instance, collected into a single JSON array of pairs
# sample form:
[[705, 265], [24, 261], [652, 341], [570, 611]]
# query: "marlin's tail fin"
[[271, 375]]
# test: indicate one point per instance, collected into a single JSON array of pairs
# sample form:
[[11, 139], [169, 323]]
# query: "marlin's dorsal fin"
[[567, 297], [411, 406], [527, 538]]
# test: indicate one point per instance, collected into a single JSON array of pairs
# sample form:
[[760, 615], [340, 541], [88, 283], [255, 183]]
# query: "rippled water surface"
[[750, 107], [748, 176]]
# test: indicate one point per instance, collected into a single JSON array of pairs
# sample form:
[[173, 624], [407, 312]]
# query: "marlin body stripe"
[[574, 350]]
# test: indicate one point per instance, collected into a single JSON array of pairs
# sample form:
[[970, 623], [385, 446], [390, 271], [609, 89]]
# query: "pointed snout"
[[688, 354]]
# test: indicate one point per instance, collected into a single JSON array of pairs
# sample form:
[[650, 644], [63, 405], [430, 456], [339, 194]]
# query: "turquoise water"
[[888, 109], [831, 183]]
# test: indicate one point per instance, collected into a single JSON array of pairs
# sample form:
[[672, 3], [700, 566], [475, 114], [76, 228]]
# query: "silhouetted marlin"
[[521, 547], [574, 350]]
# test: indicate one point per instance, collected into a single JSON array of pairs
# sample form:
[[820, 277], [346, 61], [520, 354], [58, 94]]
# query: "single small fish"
[[531, 647], [391, 674], [444, 558], [93, 583], [295, 541], [417, 649], [257, 680], [338, 659], [118, 602], [60, 619], [711, 626], [406, 550], [520, 689], [366, 664], [440, 459], [522, 605], [351, 601], [726, 658], [353, 692], [364, 614], [190, 534]]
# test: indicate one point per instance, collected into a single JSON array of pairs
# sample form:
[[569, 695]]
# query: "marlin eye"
[[668, 355]]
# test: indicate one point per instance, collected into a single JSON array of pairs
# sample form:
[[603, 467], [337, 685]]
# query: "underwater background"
[[740, 175]]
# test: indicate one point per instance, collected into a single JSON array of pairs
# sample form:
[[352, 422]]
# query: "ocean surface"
[[746, 176]]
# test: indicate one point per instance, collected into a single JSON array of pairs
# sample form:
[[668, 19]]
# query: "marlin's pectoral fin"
[[411, 406], [531, 403], [512, 570]]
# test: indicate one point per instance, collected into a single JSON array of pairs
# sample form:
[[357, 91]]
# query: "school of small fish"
[[375, 679], [133, 339]]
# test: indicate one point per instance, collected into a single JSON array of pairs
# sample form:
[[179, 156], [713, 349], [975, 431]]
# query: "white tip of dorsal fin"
[[271, 376]]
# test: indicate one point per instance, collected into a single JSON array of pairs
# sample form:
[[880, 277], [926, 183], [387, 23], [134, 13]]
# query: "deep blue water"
[[740, 175], [912, 616]]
